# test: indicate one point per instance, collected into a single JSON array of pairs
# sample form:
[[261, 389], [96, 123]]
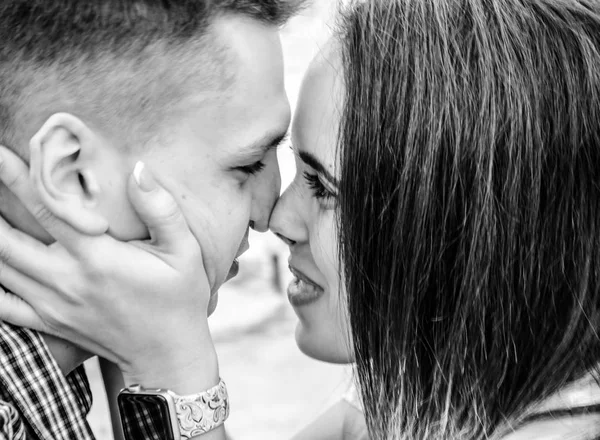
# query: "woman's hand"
[[142, 305]]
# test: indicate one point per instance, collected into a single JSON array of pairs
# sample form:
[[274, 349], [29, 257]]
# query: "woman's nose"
[[287, 220], [287, 241]]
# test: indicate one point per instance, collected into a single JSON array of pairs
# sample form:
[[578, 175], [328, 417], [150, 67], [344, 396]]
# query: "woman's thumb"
[[159, 211]]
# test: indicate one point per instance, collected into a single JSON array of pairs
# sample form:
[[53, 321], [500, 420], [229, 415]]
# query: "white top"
[[352, 397]]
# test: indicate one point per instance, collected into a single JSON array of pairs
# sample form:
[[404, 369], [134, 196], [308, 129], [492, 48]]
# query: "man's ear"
[[61, 154]]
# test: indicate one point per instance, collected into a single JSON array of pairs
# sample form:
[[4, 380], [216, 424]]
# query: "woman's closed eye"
[[319, 190]]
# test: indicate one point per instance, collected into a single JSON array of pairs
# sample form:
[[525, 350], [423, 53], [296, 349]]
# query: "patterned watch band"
[[200, 413]]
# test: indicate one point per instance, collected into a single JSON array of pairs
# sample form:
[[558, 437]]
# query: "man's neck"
[[67, 356]]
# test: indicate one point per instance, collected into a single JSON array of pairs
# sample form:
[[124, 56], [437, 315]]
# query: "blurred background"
[[274, 389]]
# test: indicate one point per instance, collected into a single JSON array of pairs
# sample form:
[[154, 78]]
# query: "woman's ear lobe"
[[61, 174]]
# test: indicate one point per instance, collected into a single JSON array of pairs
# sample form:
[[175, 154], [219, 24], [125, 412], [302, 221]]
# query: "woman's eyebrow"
[[314, 163]]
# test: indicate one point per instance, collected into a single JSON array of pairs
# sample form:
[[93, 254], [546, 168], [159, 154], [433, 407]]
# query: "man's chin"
[[212, 303]]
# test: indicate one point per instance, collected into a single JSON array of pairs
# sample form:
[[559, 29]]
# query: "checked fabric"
[[36, 399]]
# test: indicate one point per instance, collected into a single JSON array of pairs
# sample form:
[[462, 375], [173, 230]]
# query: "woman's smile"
[[303, 290]]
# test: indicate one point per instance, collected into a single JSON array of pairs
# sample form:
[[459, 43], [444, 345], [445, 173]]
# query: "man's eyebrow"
[[265, 144], [314, 163]]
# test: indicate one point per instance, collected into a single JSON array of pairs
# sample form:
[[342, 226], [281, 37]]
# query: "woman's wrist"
[[184, 366], [186, 374]]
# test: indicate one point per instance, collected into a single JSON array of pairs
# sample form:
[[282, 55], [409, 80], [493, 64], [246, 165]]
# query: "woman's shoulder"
[[583, 427], [353, 397], [572, 413]]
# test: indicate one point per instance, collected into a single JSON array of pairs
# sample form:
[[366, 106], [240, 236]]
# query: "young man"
[[193, 89]]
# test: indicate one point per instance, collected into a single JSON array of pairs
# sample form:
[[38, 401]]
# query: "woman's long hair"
[[470, 208]]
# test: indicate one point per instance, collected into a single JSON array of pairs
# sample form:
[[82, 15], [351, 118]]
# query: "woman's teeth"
[[299, 286]]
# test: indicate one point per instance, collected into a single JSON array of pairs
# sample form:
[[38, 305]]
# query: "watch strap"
[[200, 413]]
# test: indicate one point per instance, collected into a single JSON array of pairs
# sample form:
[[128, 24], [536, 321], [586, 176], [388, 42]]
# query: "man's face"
[[218, 158], [214, 153]]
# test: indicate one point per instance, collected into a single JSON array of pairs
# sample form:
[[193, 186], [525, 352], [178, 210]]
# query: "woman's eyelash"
[[253, 169], [318, 189]]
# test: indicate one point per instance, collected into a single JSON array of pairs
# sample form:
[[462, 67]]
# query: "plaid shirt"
[[34, 394]]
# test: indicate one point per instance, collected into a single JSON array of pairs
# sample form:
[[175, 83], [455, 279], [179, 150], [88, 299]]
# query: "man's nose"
[[264, 201]]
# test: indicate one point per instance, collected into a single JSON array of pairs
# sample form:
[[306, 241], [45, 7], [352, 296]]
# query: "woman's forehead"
[[317, 117]]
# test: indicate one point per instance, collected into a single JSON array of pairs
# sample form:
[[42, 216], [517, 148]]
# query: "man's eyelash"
[[253, 169], [318, 189]]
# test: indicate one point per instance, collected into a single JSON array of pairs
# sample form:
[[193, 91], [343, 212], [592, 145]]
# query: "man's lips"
[[235, 265], [243, 248], [244, 245], [233, 270]]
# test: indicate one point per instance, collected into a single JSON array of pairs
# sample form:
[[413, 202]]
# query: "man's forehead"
[[253, 114]]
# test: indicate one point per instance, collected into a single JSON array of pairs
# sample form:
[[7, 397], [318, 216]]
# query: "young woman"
[[449, 150], [469, 207]]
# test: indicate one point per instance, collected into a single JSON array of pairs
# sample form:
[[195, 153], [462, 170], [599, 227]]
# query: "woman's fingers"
[[24, 253], [155, 206], [24, 287], [161, 214], [17, 312], [14, 173]]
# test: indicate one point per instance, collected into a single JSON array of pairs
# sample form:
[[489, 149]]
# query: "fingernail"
[[143, 178]]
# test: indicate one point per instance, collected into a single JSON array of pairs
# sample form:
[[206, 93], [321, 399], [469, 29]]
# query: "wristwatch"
[[162, 414]]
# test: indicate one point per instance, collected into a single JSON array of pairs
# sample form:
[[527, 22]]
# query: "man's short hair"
[[112, 60]]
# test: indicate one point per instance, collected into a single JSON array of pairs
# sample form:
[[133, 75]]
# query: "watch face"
[[145, 416]]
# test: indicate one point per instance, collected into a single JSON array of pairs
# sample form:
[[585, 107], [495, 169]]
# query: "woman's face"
[[304, 216]]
